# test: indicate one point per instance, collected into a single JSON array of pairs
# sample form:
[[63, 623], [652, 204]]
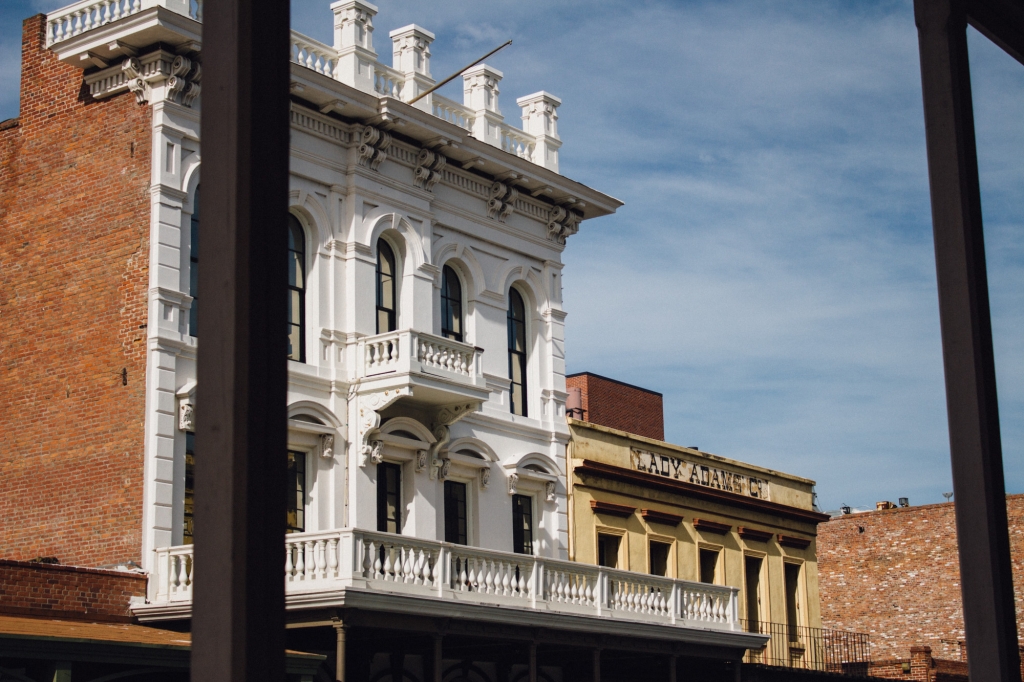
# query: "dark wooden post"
[[971, 402], [437, 659], [595, 665], [238, 606]]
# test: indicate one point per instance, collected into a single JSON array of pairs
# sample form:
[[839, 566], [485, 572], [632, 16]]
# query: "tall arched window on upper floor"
[[296, 290], [451, 305], [517, 352], [386, 303], [193, 267]]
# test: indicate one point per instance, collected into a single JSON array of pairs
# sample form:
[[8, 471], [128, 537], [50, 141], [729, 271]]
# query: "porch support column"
[[438, 658], [533, 661], [339, 672], [238, 618], [595, 665], [964, 317], [672, 668]]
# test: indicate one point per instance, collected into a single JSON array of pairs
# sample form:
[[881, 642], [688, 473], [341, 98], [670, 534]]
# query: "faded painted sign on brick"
[[699, 474]]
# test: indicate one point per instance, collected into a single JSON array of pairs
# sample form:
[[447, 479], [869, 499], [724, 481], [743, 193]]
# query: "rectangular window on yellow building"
[[708, 565], [793, 600], [659, 557], [608, 550], [752, 569]]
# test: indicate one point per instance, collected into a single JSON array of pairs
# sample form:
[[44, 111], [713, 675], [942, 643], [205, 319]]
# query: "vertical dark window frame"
[[791, 578], [752, 568], [452, 321], [708, 564], [608, 549], [193, 266], [659, 556], [389, 488], [518, 347], [386, 273], [296, 491], [188, 506], [456, 515], [297, 270], [522, 524]]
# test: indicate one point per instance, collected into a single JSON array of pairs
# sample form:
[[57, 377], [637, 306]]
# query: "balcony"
[[795, 646], [353, 567], [435, 370]]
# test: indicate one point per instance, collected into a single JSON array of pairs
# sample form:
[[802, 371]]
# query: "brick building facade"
[[37, 589], [619, 405], [895, 574], [74, 254]]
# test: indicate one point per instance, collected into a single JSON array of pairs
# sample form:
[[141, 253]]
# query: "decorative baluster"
[[574, 592], [471, 580], [386, 569], [332, 558], [463, 577], [506, 579], [136, 6], [321, 559], [375, 552], [588, 592], [289, 567], [300, 561], [183, 572], [117, 9]]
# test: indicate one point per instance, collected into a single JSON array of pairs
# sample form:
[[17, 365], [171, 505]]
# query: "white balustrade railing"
[[453, 112], [384, 562], [517, 142], [173, 575], [387, 81], [418, 352], [313, 54], [86, 15]]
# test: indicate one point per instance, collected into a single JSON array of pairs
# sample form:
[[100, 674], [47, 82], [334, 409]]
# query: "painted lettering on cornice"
[[700, 474]]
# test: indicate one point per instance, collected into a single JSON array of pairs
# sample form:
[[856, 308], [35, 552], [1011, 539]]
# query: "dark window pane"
[[522, 524], [297, 491], [296, 290], [193, 267], [188, 526], [451, 305], [455, 529], [517, 352], [659, 557], [752, 568], [708, 565], [385, 288], [793, 600], [608, 550], [389, 498]]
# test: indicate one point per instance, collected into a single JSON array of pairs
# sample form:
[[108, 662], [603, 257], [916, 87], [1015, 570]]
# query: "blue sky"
[[772, 272]]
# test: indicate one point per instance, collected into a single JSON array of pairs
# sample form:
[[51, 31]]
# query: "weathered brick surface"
[[896, 575], [66, 591], [620, 406], [74, 243]]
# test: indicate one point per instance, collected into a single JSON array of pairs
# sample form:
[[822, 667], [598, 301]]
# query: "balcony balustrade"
[[439, 370], [352, 559], [796, 646]]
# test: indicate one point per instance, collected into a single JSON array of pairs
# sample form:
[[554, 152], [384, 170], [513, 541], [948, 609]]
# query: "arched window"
[[193, 267], [296, 290], [517, 352], [451, 305], [385, 288]]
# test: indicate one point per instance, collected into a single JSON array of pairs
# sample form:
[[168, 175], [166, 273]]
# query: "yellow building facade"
[[641, 504]]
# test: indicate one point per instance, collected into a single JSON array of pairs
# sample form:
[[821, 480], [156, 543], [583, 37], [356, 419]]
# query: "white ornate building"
[[427, 431]]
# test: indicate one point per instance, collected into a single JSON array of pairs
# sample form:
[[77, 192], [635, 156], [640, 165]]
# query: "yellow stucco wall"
[[593, 443]]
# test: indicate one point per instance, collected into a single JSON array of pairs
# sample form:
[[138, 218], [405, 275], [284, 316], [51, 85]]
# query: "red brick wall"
[[611, 403], [45, 590], [896, 575], [74, 246]]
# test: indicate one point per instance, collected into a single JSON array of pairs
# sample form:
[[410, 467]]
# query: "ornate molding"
[[421, 460], [549, 491], [373, 146], [186, 415], [327, 446], [502, 201], [445, 417], [485, 477], [562, 223], [376, 451], [428, 169], [513, 483], [369, 406]]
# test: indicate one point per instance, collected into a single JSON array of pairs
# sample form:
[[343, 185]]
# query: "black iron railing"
[[795, 646]]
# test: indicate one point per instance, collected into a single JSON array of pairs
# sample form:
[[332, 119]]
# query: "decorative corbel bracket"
[[369, 406], [502, 201], [428, 169], [562, 223], [549, 490], [445, 417], [373, 146], [186, 415], [513, 483], [327, 446]]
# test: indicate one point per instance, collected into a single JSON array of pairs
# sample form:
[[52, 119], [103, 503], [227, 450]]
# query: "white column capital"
[[353, 24], [411, 50], [540, 119], [480, 88]]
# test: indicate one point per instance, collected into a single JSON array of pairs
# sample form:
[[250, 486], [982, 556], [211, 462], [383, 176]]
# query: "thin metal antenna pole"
[[455, 75]]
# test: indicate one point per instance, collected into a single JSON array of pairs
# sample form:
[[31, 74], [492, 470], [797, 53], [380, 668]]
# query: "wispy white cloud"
[[772, 271]]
